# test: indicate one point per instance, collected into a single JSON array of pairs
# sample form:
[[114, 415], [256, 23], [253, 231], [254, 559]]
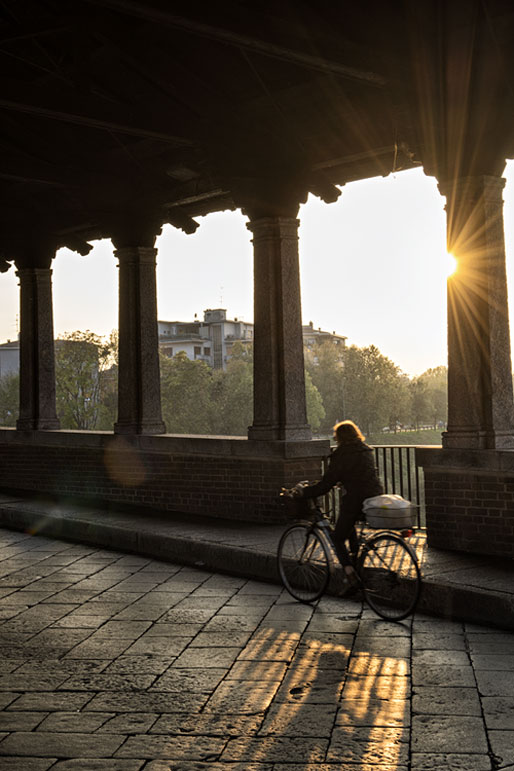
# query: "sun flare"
[[451, 264]]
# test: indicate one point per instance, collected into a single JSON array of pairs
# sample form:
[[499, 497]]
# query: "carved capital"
[[37, 257], [135, 227], [269, 198], [270, 228], [136, 255]]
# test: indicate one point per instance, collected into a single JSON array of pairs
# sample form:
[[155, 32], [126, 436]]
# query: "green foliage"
[[435, 382], [429, 436], [80, 361], [372, 384], [232, 398], [419, 402], [185, 395], [324, 364], [315, 409], [9, 399], [356, 383], [198, 400]]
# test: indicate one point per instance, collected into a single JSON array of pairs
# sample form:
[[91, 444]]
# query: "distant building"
[[212, 339], [9, 358], [10, 355], [312, 337]]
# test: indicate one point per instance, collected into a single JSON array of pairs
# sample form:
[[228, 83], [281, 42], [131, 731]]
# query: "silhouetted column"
[[480, 400], [37, 357], [279, 380], [139, 392]]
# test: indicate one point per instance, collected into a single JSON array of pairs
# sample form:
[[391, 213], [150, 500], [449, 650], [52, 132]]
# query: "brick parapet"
[[217, 477], [469, 497]]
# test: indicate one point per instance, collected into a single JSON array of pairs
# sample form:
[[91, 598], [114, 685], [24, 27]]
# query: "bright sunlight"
[[451, 264]]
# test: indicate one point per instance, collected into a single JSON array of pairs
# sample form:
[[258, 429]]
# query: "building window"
[[169, 353], [206, 351], [198, 351]]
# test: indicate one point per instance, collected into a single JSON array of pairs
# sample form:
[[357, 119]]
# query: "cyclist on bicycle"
[[351, 464]]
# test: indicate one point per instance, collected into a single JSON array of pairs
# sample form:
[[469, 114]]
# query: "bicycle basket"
[[296, 506]]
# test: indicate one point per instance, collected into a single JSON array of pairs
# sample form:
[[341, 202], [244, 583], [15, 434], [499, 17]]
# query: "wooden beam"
[[155, 15], [12, 32], [69, 106]]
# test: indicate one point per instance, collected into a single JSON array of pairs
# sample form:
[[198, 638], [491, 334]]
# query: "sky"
[[373, 267]]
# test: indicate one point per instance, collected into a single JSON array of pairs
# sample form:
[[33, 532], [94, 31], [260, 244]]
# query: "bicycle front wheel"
[[390, 576], [303, 562]]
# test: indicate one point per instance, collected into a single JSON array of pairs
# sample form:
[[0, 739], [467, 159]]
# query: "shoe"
[[351, 585]]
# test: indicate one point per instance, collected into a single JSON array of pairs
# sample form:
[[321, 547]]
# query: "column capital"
[[270, 227], [34, 258], [136, 227], [136, 254], [472, 187], [263, 198]]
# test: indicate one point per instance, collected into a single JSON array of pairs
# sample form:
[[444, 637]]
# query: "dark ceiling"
[[120, 112]]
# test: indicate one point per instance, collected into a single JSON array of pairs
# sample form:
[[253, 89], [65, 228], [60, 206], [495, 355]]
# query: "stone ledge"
[[237, 447], [472, 461]]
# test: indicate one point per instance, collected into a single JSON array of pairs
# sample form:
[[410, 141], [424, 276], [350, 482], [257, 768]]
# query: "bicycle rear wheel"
[[303, 562], [390, 576]]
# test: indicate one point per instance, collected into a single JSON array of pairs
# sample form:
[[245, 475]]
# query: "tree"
[[108, 375], [77, 364], [419, 402], [232, 394], [435, 381], [315, 409], [185, 395], [324, 363], [9, 398], [372, 383]]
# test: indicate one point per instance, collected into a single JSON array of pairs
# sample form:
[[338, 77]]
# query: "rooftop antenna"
[[221, 296]]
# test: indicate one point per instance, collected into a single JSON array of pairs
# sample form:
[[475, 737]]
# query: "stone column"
[[37, 357], [139, 392], [279, 380], [480, 400]]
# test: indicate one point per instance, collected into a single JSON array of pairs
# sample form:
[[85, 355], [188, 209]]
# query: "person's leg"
[[345, 529]]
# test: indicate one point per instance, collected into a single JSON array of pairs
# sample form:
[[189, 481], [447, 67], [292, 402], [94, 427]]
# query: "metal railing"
[[400, 475]]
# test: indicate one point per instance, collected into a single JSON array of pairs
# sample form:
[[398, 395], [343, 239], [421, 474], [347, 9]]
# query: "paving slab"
[[460, 586], [235, 674]]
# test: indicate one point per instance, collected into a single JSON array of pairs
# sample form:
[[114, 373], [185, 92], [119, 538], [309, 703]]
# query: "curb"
[[442, 599]]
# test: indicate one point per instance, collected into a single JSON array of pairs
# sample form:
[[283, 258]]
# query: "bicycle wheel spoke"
[[390, 576], [303, 563]]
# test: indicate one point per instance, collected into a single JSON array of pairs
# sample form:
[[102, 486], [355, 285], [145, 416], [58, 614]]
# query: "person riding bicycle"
[[351, 464]]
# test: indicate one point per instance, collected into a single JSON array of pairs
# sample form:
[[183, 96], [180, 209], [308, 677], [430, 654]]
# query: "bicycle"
[[385, 567]]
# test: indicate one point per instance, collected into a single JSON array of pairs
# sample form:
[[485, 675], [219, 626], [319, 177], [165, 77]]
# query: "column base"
[[43, 424], [475, 439], [280, 433], [158, 427]]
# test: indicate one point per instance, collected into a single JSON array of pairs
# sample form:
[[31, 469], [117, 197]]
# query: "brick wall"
[[236, 478], [470, 500]]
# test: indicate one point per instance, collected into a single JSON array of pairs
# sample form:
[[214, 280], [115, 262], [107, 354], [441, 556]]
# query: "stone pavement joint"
[[459, 586], [159, 666]]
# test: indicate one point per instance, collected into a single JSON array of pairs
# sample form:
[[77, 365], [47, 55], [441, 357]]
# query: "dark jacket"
[[353, 465]]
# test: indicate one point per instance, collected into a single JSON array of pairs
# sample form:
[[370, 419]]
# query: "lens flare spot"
[[124, 464]]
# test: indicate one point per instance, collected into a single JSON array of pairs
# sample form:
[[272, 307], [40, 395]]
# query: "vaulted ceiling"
[[114, 112]]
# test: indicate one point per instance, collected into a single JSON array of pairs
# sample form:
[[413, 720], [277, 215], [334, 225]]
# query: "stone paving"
[[116, 662]]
